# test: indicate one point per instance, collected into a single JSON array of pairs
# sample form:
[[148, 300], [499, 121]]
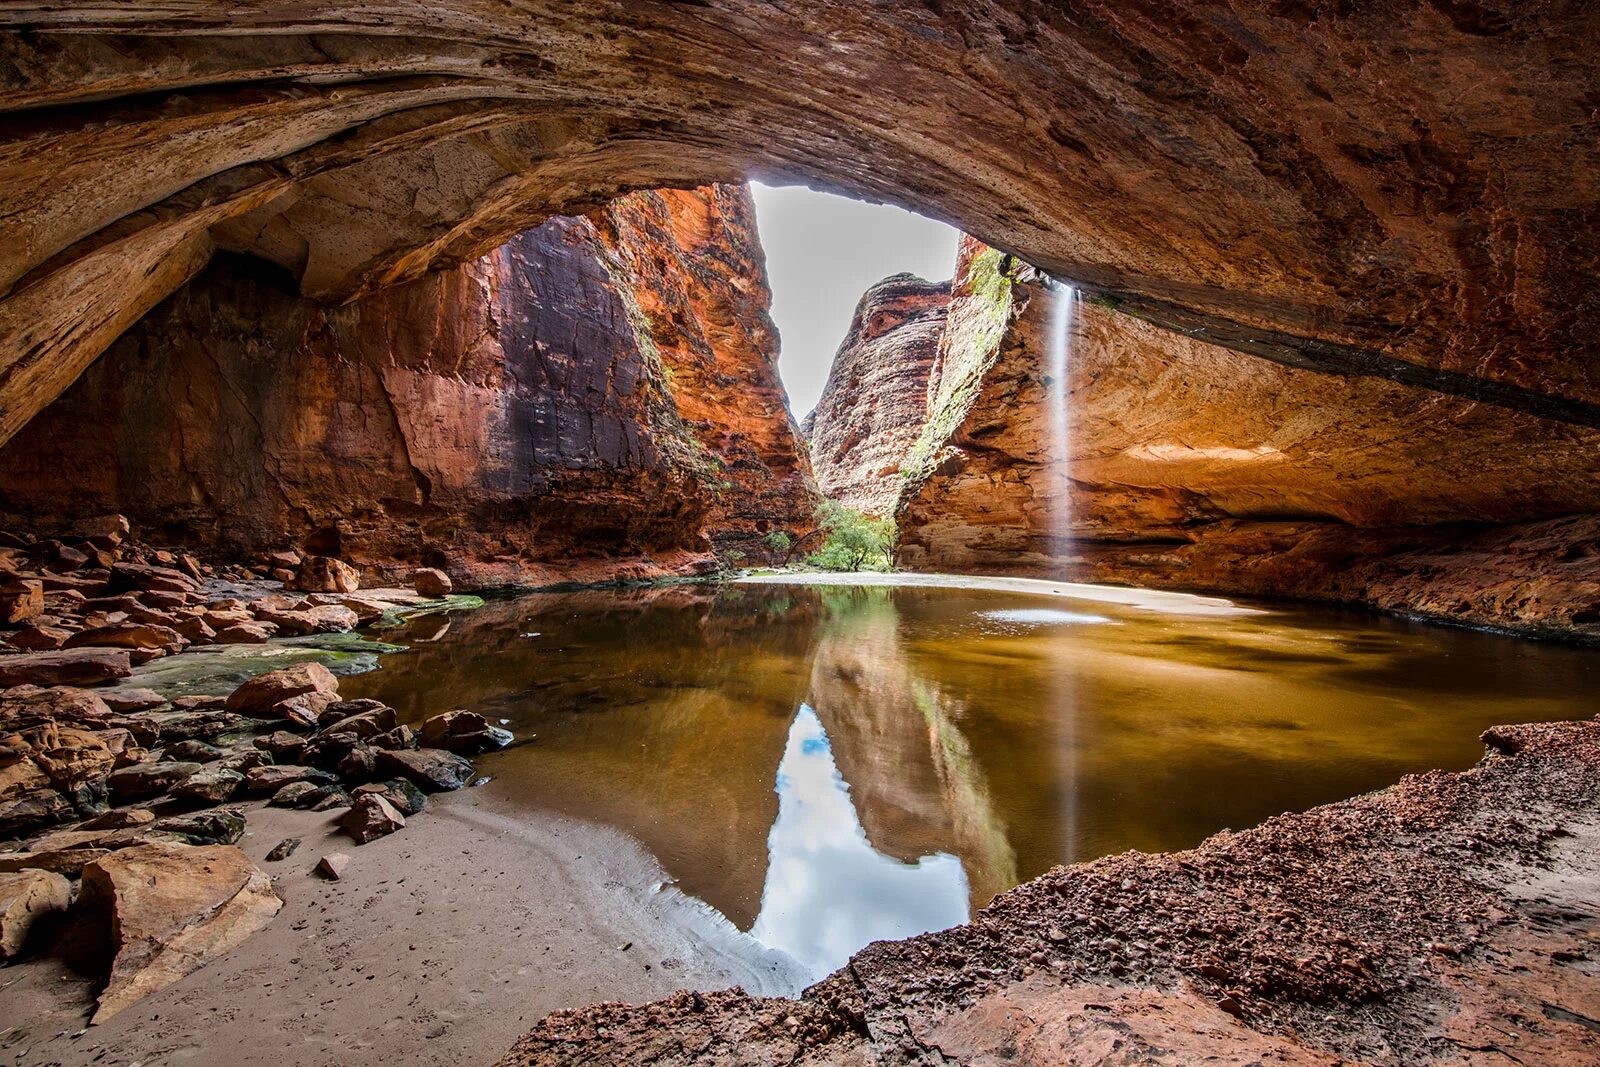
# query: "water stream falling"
[[1063, 688]]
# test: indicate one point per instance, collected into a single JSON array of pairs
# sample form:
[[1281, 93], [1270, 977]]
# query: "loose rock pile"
[[120, 810]]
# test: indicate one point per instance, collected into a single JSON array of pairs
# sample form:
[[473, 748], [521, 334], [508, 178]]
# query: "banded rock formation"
[[510, 414], [875, 400]]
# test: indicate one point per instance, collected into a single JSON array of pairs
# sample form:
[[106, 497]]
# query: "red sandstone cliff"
[[512, 418], [876, 396], [699, 277], [1193, 466]]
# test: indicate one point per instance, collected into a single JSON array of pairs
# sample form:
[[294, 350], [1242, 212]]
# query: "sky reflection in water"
[[828, 891]]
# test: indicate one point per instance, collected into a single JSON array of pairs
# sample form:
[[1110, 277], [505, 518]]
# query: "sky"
[[823, 252]]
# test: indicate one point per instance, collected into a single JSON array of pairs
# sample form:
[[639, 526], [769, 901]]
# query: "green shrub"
[[854, 541], [778, 541]]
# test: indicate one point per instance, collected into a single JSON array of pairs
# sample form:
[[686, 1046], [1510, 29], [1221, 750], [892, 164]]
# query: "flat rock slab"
[[172, 908], [78, 666]]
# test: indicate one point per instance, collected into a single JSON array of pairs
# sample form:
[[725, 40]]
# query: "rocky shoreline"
[[1450, 917]]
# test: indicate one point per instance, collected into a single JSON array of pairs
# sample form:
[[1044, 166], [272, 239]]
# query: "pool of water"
[[832, 765]]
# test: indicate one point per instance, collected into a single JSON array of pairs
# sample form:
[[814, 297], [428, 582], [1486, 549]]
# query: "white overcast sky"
[[823, 252]]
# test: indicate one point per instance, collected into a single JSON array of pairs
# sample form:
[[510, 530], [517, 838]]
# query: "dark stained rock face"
[[502, 417], [1188, 465], [876, 397]]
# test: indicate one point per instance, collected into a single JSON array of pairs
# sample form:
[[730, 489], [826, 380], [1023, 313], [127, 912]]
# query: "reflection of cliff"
[[899, 745]]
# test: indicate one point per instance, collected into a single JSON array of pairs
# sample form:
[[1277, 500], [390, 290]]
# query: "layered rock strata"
[[875, 400], [1172, 462], [514, 419], [1401, 188], [1462, 931]]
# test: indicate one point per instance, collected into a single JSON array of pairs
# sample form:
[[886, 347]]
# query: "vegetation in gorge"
[[970, 345], [853, 541]]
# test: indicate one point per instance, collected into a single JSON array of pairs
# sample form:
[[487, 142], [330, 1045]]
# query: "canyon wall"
[[1188, 465], [875, 400], [515, 419]]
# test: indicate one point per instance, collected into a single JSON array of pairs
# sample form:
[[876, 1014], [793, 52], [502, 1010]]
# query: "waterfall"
[[1063, 314]]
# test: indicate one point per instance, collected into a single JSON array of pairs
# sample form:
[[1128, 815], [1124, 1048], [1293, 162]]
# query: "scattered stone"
[[78, 666], [199, 702], [107, 530], [324, 574], [134, 636], [148, 779], [282, 745], [273, 777], [341, 710], [296, 795], [332, 866], [283, 849], [463, 732], [321, 619], [121, 819], [170, 909], [371, 817], [430, 769], [67, 861], [126, 700], [332, 797], [265, 694], [25, 896], [430, 582], [368, 722], [209, 786], [360, 764], [399, 737], [245, 759], [194, 629]]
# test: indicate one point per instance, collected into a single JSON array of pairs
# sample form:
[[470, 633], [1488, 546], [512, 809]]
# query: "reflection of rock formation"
[[513, 417], [876, 398], [899, 745], [662, 731], [1193, 466]]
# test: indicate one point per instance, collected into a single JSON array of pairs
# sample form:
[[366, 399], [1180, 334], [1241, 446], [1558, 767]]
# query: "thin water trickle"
[[1063, 686]]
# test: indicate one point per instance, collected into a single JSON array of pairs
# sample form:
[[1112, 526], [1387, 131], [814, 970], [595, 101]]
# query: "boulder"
[[363, 717], [169, 910], [193, 751], [245, 759], [38, 638], [67, 861], [275, 776], [219, 826], [142, 576], [462, 731], [26, 895], [132, 636], [195, 630], [432, 770], [144, 780], [77, 666], [402, 794], [430, 582], [371, 817], [360, 764], [126, 700], [266, 694], [107, 530], [332, 797], [21, 599], [319, 619], [245, 633], [282, 745], [296, 795], [324, 574], [399, 737], [208, 786], [120, 819]]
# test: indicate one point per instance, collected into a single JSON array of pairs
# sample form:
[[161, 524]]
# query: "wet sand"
[[443, 944]]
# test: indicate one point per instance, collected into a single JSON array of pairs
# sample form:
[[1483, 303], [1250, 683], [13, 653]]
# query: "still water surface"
[[833, 765]]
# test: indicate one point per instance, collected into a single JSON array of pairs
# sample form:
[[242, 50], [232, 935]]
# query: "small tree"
[[777, 541], [853, 540]]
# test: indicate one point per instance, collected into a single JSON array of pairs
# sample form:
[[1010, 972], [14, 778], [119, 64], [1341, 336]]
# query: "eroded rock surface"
[[875, 401], [596, 393]]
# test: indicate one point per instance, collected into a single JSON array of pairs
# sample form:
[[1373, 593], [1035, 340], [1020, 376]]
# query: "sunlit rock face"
[[876, 397], [698, 274], [1194, 466], [1411, 184], [511, 414]]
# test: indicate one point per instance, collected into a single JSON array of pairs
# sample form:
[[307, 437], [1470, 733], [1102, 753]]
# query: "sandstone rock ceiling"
[[1397, 187]]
